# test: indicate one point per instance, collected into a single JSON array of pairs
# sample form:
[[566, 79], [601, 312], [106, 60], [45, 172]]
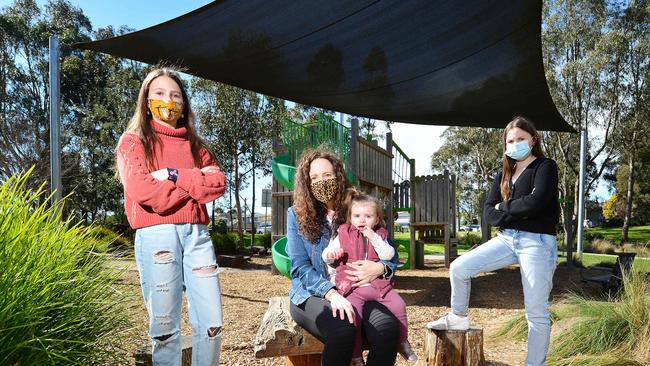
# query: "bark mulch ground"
[[496, 297]]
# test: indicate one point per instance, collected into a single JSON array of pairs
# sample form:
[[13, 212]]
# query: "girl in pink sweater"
[[169, 174]]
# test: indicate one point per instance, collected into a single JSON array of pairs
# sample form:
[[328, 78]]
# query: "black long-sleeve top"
[[533, 205]]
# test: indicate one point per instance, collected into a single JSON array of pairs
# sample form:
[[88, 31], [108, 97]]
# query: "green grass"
[[639, 235], [591, 259], [402, 241]]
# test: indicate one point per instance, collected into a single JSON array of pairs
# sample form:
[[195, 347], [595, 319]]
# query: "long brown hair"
[[140, 123], [508, 162], [311, 213]]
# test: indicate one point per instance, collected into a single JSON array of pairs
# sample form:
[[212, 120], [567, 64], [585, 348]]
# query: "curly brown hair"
[[310, 213]]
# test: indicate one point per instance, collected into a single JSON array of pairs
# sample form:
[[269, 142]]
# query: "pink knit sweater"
[[148, 201]]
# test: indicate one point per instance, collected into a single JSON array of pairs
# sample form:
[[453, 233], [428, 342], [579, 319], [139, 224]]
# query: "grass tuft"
[[615, 331], [59, 305]]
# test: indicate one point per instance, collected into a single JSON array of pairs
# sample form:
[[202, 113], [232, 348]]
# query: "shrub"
[[469, 240], [640, 250], [220, 226], [263, 240], [224, 243], [59, 304], [602, 246]]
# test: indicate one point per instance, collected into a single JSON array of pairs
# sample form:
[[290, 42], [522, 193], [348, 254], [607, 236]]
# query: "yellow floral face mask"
[[168, 112]]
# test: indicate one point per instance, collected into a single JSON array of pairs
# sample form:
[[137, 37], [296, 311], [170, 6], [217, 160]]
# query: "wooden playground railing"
[[374, 164]]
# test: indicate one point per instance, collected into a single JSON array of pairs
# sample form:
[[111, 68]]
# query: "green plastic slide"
[[280, 258], [282, 172]]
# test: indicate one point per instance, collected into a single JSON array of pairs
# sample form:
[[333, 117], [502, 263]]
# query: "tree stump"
[[279, 336], [454, 347], [143, 355]]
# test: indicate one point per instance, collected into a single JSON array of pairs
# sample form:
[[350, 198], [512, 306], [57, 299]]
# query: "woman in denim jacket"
[[318, 199]]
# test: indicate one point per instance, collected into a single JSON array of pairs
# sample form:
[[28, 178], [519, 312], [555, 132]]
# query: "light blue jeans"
[[537, 257], [172, 258]]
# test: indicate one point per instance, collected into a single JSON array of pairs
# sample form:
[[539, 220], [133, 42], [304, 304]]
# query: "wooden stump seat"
[[279, 336], [454, 347]]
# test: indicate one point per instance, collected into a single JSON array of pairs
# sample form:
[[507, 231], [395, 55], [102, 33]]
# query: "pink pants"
[[392, 301]]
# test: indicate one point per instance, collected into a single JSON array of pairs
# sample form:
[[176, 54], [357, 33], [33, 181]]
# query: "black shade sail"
[[437, 62]]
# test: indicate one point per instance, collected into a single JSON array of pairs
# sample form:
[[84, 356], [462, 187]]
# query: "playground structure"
[[387, 173]]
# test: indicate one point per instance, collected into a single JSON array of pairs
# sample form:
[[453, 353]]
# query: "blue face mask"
[[519, 150]]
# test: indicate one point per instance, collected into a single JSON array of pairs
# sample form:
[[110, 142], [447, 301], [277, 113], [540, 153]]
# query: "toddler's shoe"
[[407, 352]]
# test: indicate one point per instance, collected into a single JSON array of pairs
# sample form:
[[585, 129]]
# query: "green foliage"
[[590, 49], [239, 125], [224, 243], [220, 226], [59, 305], [469, 240], [263, 240], [110, 241], [98, 94]]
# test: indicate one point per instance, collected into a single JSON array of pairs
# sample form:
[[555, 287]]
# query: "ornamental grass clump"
[[614, 331], [59, 305]]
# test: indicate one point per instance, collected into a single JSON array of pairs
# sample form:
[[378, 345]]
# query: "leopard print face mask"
[[324, 190]]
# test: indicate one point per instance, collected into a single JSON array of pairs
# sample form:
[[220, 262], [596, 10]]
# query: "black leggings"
[[380, 328]]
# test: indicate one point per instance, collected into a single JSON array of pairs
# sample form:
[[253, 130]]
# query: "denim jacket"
[[308, 271]]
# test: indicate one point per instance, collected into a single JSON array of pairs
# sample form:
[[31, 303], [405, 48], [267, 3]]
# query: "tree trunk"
[[230, 208], [238, 202], [566, 207], [570, 225], [628, 199]]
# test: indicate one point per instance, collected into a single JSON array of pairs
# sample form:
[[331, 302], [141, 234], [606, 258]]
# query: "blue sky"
[[418, 141]]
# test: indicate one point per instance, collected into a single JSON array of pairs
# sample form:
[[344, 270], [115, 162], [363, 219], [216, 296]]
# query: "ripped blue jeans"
[[172, 258]]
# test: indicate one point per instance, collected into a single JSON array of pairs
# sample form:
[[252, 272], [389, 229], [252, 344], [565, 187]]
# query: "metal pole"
[[55, 119], [581, 190]]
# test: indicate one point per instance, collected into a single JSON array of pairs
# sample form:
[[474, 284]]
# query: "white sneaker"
[[450, 321]]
